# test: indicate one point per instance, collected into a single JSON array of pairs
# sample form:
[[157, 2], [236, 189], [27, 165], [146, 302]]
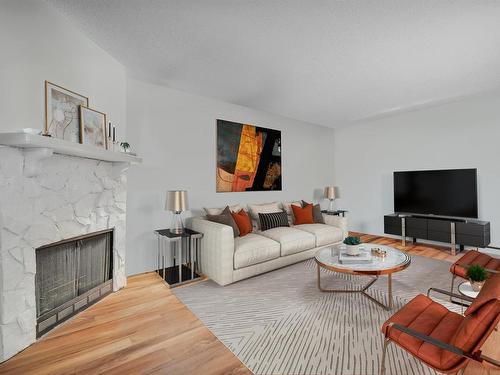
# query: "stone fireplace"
[[45, 201]]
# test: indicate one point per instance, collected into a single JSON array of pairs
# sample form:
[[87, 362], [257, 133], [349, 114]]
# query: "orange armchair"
[[459, 268], [442, 339]]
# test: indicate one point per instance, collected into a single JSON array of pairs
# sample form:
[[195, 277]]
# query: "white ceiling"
[[324, 62]]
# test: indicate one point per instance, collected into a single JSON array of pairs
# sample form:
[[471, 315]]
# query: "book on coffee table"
[[363, 258]]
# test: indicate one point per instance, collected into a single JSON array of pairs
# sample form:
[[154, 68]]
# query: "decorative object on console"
[[303, 215], [92, 127], [477, 276], [243, 222], [177, 203], [330, 194], [352, 245], [248, 157], [226, 218], [273, 220], [317, 215], [62, 113], [125, 147]]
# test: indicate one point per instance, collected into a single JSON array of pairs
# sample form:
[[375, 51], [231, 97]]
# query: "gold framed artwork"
[[93, 127], [62, 112]]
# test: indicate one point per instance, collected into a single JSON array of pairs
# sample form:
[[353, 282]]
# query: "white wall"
[[175, 134], [464, 134], [40, 44]]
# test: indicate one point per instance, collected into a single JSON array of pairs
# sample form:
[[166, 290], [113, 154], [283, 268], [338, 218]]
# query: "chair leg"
[[452, 284], [384, 354]]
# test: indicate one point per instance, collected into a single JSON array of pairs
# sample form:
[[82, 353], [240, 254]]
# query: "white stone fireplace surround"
[[43, 201]]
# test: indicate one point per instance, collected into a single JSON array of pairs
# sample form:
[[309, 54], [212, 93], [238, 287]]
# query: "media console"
[[461, 232]]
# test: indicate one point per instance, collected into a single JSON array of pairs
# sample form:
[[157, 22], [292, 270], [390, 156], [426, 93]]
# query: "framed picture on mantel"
[[92, 127], [62, 112], [248, 157]]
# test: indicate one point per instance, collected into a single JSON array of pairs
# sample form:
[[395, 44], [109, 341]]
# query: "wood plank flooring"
[[141, 329], [144, 328]]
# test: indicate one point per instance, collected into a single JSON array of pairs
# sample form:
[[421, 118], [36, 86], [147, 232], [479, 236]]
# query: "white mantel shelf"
[[59, 146]]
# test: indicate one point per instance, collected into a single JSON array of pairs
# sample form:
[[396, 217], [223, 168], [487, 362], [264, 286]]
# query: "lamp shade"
[[176, 201], [330, 192]]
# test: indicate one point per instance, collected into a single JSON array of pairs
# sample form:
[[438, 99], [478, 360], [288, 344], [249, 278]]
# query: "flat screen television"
[[451, 192]]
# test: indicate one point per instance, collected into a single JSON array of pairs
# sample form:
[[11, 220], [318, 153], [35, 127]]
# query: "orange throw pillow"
[[303, 215], [243, 222]]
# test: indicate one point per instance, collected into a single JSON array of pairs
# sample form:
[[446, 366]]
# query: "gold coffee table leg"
[[362, 290]]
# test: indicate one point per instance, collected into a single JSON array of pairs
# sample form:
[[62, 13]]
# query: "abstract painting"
[[62, 114], [248, 157], [93, 127]]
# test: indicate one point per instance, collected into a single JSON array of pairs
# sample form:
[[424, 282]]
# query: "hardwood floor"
[[144, 328], [141, 329]]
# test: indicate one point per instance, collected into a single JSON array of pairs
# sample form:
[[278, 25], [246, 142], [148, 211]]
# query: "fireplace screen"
[[71, 275]]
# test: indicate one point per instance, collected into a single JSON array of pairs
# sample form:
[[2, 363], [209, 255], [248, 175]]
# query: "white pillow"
[[287, 206], [218, 211], [265, 208]]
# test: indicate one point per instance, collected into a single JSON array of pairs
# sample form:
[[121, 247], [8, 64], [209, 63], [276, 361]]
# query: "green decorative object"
[[477, 272], [125, 146], [352, 241], [477, 276]]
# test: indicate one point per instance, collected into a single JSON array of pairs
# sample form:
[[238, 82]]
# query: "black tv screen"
[[451, 192]]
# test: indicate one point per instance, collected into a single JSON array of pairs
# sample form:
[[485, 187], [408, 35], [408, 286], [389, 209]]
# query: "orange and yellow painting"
[[248, 157]]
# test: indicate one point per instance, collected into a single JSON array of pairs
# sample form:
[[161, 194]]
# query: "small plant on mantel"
[[477, 276], [352, 241]]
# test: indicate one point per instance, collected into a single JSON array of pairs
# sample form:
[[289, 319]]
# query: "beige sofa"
[[226, 259]]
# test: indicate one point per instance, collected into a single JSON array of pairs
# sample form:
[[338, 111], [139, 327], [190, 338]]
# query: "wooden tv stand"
[[455, 231]]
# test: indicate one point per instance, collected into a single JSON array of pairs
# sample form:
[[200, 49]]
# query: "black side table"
[[335, 213], [171, 247]]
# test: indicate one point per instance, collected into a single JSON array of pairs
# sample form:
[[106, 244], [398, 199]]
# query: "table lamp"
[[177, 203], [330, 195]]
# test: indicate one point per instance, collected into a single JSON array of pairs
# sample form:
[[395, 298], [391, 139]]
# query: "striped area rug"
[[280, 323]]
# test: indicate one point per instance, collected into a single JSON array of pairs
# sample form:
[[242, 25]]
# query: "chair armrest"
[[217, 250], [430, 340], [477, 356], [441, 291], [337, 221]]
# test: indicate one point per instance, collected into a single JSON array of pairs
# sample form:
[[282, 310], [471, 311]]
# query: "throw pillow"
[[227, 219], [287, 206], [243, 222], [267, 208], [218, 211], [317, 215], [273, 220], [303, 215]]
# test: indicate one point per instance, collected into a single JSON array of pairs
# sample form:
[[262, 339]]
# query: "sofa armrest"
[[337, 221], [217, 249]]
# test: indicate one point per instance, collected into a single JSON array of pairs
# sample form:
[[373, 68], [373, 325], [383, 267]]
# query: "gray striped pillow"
[[273, 220]]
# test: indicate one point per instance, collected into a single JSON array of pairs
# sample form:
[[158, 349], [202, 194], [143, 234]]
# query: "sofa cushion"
[[287, 206], [317, 214], [274, 220], [225, 218], [243, 222], [253, 249], [325, 234], [291, 240], [303, 215], [265, 208]]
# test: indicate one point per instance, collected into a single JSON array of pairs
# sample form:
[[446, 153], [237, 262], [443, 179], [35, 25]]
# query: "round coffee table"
[[394, 261]]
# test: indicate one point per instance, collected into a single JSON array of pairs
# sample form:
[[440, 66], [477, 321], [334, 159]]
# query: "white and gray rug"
[[280, 323]]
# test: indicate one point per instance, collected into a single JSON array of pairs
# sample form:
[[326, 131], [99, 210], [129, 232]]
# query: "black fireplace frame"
[[56, 316]]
